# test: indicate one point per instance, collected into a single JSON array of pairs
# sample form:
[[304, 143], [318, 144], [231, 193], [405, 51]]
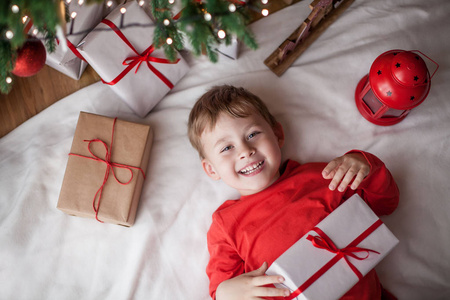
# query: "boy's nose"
[[247, 151]]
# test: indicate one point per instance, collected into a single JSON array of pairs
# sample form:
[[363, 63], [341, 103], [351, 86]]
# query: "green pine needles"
[[204, 24], [12, 36]]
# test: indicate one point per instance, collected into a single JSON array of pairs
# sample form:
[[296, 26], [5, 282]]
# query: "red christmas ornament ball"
[[30, 58]]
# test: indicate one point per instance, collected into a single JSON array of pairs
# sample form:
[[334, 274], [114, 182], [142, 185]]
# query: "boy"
[[240, 142]]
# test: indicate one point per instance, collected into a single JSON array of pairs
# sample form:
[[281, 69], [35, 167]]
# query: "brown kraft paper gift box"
[[84, 176]]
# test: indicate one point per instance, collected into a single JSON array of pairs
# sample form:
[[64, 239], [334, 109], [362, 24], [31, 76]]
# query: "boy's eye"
[[252, 135], [225, 149]]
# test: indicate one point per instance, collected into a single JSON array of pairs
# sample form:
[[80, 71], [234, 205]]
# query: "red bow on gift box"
[[322, 241], [145, 56]]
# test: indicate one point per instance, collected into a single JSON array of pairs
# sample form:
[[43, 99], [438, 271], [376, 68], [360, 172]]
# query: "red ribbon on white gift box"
[[69, 44], [145, 56], [322, 241]]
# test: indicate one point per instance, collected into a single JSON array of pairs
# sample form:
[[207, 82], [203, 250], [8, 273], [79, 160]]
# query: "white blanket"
[[46, 254]]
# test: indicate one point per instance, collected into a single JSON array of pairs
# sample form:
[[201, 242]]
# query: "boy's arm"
[[224, 261], [379, 188], [371, 180], [226, 272]]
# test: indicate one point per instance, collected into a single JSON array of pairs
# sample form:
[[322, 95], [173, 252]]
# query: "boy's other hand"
[[251, 286], [342, 170]]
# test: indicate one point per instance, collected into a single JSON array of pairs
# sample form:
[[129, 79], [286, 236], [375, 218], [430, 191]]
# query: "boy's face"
[[244, 152]]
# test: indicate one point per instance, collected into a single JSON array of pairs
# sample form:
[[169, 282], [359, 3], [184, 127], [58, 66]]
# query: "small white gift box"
[[120, 50], [229, 51], [67, 60], [331, 258]]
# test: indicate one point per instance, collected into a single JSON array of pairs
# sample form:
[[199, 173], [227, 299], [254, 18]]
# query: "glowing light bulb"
[[68, 1], [208, 17], [264, 1], [141, 3], [123, 10], [35, 31], [8, 80], [15, 9], [166, 22], [73, 15], [221, 34], [169, 41], [109, 3], [80, 2], [265, 12], [9, 34], [171, 1], [232, 7], [24, 19]]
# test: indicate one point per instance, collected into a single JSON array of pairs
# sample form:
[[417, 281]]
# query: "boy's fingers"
[[347, 179], [260, 271], [271, 292], [265, 280], [328, 171], [337, 178], [359, 178]]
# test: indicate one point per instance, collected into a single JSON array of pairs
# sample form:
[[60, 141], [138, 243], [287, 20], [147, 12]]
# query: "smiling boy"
[[240, 142]]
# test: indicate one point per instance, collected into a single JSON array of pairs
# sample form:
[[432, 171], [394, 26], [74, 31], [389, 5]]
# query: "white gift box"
[[120, 42], [229, 51], [225, 52], [316, 273], [63, 58], [66, 62]]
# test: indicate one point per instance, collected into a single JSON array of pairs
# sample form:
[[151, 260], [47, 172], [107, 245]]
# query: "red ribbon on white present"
[[322, 241], [74, 50], [69, 44], [145, 56]]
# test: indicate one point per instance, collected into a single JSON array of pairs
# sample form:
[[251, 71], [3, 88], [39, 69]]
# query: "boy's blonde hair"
[[234, 101]]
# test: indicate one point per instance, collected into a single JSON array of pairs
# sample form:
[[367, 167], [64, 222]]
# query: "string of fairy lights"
[[109, 4]]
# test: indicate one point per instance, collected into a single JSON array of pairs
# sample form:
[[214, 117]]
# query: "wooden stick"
[[279, 61]]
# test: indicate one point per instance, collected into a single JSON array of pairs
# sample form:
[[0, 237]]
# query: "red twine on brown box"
[[109, 168]]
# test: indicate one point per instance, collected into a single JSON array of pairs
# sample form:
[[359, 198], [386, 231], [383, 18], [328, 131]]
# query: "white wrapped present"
[[66, 59], [229, 51], [120, 50], [331, 258]]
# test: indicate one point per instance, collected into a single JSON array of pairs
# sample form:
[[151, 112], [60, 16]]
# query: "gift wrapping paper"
[[112, 51], [63, 59], [87, 179], [307, 266], [229, 51]]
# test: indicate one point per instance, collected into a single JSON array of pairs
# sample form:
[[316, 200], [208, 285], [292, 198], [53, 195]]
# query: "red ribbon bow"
[[109, 168], [145, 56], [324, 242]]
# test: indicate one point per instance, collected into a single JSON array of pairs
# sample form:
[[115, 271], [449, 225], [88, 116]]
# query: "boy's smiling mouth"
[[252, 168]]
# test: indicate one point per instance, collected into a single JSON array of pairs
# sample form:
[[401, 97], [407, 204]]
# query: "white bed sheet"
[[45, 254]]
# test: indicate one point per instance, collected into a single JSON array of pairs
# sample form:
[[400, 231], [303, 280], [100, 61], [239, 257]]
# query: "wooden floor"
[[31, 95]]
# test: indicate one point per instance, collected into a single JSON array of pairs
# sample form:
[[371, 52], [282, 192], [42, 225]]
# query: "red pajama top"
[[258, 228]]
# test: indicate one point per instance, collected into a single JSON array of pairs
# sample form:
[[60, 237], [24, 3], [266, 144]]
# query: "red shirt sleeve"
[[378, 189], [224, 262]]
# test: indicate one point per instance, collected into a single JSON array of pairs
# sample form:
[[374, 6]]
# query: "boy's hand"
[[343, 169], [251, 286]]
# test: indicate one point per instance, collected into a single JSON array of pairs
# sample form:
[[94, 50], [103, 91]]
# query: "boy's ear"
[[279, 133], [209, 169]]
